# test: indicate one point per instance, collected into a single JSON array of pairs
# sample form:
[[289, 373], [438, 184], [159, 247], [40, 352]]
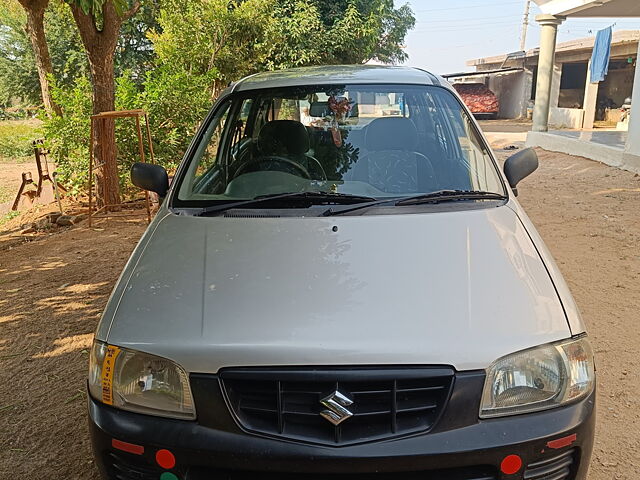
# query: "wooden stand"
[[104, 211], [47, 188]]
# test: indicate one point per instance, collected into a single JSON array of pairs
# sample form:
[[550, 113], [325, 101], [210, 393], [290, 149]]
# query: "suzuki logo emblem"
[[336, 411]]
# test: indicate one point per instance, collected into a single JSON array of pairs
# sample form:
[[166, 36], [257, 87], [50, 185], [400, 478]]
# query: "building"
[[574, 101], [614, 148]]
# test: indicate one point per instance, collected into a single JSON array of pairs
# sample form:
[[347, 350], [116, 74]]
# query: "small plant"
[[9, 216]]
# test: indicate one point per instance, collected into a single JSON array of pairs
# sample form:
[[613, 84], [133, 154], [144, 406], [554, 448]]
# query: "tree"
[[219, 39], [99, 23], [18, 73], [35, 30], [321, 32], [18, 76]]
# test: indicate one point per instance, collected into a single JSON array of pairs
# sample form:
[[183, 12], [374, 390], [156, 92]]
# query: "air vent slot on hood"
[[249, 214]]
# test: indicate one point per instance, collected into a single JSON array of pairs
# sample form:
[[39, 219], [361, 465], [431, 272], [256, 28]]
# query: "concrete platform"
[[607, 147]]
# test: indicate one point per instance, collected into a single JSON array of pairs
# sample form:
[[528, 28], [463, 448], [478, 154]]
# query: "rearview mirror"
[[150, 177], [520, 166]]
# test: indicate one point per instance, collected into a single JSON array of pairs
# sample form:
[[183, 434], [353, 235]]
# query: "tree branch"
[[132, 11], [34, 5], [85, 23]]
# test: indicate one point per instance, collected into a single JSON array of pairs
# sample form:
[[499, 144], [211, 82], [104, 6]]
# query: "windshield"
[[377, 141]]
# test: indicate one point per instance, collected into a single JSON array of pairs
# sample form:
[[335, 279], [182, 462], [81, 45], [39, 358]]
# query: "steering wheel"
[[274, 159], [316, 162]]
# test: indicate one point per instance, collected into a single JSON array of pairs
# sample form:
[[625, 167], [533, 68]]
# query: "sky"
[[450, 32]]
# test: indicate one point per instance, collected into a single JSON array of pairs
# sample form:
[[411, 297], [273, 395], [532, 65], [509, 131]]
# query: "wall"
[[513, 92], [632, 149], [566, 117], [617, 86]]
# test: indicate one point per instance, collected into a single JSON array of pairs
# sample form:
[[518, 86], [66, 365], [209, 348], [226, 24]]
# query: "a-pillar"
[[548, 36], [632, 149]]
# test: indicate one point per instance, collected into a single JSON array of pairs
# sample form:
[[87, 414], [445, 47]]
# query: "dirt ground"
[[10, 180], [53, 288]]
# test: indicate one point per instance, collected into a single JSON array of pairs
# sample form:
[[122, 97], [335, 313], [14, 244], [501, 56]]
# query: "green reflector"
[[168, 476]]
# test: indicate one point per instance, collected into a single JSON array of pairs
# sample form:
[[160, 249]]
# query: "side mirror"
[[150, 177], [520, 166]]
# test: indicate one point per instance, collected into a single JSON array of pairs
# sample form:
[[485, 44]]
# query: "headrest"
[[391, 133], [281, 137]]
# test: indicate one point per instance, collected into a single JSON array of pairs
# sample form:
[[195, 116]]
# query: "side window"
[[468, 146], [204, 174], [211, 154], [240, 127]]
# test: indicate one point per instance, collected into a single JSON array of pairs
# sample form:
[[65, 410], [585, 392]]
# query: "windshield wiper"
[[312, 196], [449, 195], [432, 197]]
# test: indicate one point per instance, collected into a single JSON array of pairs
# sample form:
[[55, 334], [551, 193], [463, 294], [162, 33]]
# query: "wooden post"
[[91, 171]]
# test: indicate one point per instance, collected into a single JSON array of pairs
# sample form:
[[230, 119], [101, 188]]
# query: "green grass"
[[16, 137], [8, 216], [6, 194]]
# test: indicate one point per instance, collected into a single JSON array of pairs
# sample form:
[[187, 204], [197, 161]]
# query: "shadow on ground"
[[52, 292]]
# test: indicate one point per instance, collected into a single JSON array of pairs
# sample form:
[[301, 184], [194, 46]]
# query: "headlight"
[[139, 382], [539, 378]]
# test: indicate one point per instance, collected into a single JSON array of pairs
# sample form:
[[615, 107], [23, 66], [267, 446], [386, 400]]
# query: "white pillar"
[[556, 81], [590, 101], [548, 36], [632, 150]]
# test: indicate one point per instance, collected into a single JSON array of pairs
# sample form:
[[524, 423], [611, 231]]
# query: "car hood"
[[461, 288]]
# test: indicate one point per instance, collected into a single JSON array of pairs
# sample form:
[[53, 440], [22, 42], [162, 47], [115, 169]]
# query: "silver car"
[[340, 284]]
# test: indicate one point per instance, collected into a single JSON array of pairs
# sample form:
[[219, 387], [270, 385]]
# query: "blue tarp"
[[600, 55]]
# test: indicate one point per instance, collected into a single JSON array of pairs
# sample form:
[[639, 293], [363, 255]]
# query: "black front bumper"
[[456, 450]]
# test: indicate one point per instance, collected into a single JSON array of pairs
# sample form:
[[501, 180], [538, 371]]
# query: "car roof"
[[338, 74]]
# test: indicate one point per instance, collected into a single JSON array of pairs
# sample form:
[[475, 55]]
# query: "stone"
[[65, 220], [42, 224], [54, 216], [79, 218]]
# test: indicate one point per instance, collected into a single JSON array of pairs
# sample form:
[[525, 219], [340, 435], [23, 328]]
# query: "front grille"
[[470, 473], [558, 467], [386, 402], [129, 467]]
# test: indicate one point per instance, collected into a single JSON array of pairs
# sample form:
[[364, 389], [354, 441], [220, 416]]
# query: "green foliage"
[[134, 52], [5, 196], [18, 73], [16, 138], [65, 46], [204, 36], [95, 7], [173, 121], [177, 102], [18, 76], [317, 32], [67, 136]]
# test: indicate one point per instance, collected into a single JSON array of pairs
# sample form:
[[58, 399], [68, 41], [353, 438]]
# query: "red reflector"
[[511, 464], [562, 442], [165, 459], [127, 447]]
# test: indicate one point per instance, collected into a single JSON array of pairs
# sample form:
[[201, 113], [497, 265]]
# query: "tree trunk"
[[100, 46], [105, 150], [35, 30]]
